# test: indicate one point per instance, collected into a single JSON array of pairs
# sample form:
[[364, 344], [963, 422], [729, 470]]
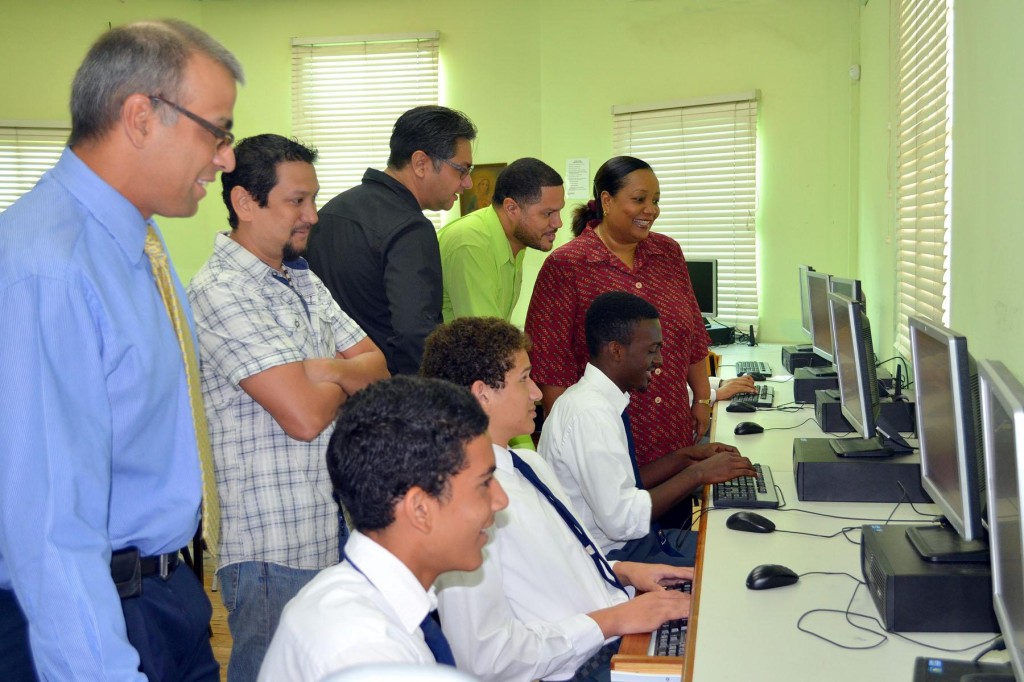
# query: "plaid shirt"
[[275, 493]]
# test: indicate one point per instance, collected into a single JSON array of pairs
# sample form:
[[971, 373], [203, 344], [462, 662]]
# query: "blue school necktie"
[[436, 641], [602, 565], [663, 541]]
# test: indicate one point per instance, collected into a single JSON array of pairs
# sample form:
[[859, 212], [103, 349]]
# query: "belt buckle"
[[165, 563]]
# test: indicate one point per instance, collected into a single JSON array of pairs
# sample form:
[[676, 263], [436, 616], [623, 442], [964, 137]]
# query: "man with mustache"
[[482, 253], [278, 359]]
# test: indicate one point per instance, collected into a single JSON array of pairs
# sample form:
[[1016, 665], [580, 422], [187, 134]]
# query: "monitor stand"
[[887, 443], [943, 544]]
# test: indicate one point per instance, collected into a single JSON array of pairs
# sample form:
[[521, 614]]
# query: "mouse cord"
[[787, 428]]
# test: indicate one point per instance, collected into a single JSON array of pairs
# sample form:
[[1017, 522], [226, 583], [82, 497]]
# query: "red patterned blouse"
[[577, 273]]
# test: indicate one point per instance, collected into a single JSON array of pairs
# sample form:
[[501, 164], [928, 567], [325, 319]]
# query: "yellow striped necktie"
[[162, 274]]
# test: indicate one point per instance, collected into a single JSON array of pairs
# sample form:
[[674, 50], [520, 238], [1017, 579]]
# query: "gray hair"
[[146, 57]]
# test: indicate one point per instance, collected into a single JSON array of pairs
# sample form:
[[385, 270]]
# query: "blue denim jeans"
[[254, 594]]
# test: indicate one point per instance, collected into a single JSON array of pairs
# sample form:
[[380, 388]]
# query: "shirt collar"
[[242, 259], [606, 387], [502, 458], [112, 210], [403, 192], [596, 252], [393, 579]]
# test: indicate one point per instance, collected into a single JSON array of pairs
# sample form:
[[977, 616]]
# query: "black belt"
[[127, 569]]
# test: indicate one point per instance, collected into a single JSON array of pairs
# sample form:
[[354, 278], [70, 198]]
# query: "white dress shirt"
[[521, 615], [584, 441], [344, 618]]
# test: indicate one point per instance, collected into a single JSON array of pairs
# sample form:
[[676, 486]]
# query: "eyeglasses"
[[463, 170], [224, 137]]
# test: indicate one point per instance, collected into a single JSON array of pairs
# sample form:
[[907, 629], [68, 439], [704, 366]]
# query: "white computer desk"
[[741, 634]]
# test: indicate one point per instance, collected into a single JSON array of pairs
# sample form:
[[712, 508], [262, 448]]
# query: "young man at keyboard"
[[545, 604], [588, 442], [412, 463]]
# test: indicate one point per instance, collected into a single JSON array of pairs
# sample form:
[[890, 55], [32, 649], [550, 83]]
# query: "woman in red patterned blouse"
[[614, 249]]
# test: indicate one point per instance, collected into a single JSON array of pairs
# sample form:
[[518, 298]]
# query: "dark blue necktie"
[[663, 542], [632, 448], [436, 641], [603, 567]]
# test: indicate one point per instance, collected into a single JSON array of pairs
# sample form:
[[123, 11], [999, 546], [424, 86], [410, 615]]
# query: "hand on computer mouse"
[[723, 466]]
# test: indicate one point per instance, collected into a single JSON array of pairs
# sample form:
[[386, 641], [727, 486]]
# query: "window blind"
[[26, 152], [923, 150], [347, 93], [705, 156]]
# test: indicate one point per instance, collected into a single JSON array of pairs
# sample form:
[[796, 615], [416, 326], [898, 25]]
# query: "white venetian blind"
[[26, 152], [924, 64], [347, 93], [704, 153]]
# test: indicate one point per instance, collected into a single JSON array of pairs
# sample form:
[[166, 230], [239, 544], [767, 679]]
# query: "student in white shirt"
[[412, 463], [540, 607], [586, 442]]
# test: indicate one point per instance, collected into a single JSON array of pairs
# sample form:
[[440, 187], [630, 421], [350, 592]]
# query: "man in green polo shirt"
[[482, 252]]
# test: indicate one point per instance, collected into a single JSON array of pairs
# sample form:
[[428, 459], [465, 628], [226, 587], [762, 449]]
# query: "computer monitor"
[[1002, 410], [704, 278], [821, 328], [858, 385], [948, 424], [805, 301], [850, 288]]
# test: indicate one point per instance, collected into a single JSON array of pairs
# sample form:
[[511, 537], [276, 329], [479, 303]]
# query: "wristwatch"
[[704, 401]]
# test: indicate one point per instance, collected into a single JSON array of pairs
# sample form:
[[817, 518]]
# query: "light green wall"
[[540, 78]]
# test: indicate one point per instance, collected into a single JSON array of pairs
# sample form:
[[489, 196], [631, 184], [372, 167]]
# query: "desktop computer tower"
[[801, 356], [823, 476], [805, 383], [720, 334], [914, 595], [829, 415]]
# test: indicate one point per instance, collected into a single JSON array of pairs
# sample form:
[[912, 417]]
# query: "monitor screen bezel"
[[997, 383], [826, 352], [805, 300], [853, 284], [846, 310], [962, 507], [714, 284]]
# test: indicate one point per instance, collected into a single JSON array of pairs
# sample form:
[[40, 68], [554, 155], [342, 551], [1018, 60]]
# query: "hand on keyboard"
[[696, 453], [723, 466], [651, 577], [728, 389], [643, 613]]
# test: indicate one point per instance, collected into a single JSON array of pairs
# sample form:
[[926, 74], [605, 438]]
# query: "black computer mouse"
[[747, 428], [741, 407], [767, 576], [756, 376], [750, 522]]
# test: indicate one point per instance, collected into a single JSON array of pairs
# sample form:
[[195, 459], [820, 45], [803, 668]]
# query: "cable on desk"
[[790, 428], [883, 638]]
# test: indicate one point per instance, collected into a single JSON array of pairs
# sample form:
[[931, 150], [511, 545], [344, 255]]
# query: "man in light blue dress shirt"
[[100, 451]]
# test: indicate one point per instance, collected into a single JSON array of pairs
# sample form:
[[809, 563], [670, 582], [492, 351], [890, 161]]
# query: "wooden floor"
[[221, 635]]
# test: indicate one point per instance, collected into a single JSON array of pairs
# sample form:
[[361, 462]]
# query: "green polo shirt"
[[481, 276]]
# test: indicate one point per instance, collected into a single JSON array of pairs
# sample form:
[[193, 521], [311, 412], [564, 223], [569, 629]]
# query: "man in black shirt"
[[374, 248]]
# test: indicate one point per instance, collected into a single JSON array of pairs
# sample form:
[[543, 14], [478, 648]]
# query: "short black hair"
[[522, 181], [433, 130], [396, 434], [470, 349], [256, 160], [613, 316]]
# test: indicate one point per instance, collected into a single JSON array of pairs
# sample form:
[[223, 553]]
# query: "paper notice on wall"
[[577, 179]]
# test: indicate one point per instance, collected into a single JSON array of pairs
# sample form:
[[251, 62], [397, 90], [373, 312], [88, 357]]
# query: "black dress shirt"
[[378, 255]]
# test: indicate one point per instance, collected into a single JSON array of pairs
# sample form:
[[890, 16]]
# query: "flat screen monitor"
[[858, 384], [850, 288], [948, 424], [704, 278], [805, 302], [821, 328], [1002, 410]]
